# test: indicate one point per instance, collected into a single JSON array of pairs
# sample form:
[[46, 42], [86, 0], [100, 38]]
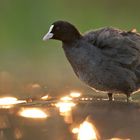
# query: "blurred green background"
[[26, 62]]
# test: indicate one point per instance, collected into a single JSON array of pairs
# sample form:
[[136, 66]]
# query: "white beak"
[[49, 35]]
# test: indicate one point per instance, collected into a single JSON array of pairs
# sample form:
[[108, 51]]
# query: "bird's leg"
[[129, 98], [110, 96]]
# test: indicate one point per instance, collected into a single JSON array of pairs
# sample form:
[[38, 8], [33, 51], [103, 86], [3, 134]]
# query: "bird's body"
[[107, 59]]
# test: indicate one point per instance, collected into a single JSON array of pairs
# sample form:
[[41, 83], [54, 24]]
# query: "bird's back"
[[121, 48]]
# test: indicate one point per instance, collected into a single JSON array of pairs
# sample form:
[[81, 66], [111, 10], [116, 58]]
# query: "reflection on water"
[[66, 98], [45, 97], [32, 113], [75, 94], [8, 102], [72, 117], [86, 131], [75, 130], [65, 109], [119, 139], [65, 106]]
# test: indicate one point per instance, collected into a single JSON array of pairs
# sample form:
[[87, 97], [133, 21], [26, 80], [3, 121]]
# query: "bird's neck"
[[80, 52], [71, 38]]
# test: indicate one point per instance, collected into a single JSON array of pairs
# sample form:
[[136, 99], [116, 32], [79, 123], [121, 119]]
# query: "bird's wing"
[[119, 46]]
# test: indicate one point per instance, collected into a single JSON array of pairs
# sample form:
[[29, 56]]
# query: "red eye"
[[57, 28]]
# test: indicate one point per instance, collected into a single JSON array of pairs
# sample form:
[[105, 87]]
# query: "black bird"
[[107, 59]]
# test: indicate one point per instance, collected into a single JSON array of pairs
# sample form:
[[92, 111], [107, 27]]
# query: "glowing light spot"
[[45, 97], [35, 85], [87, 131], [119, 139], [8, 102], [75, 94], [33, 113], [66, 98], [65, 109], [75, 130], [65, 106], [86, 99], [82, 99]]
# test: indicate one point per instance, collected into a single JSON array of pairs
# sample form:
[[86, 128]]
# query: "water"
[[99, 119]]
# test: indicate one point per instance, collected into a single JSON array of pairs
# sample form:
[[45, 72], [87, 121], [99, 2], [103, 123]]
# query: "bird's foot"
[[110, 97]]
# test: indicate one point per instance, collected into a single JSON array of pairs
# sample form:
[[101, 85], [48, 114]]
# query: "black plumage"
[[107, 59]]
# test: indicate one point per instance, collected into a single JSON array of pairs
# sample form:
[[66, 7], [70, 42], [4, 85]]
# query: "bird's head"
[[63, 31]]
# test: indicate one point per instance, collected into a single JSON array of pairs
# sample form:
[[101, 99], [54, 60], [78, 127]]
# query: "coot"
[[106, 59]]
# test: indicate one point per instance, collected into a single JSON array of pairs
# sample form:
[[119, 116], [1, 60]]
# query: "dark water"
[[111, 119]]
